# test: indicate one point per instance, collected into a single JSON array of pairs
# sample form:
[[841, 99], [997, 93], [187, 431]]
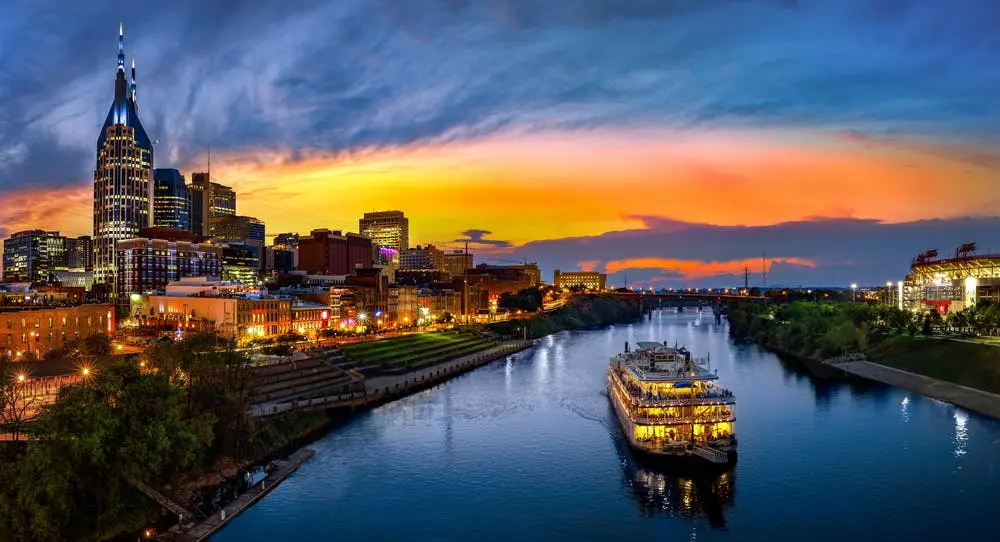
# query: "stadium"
[[951, 284]]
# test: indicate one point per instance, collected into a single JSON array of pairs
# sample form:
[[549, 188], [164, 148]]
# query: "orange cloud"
[[68, 210], [557, 185], [588, 265], [692, 269]]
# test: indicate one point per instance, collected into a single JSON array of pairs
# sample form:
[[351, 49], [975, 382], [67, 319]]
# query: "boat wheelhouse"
[[668, 403]]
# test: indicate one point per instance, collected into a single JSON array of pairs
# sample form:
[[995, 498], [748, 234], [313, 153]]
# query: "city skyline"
[[841, 140]]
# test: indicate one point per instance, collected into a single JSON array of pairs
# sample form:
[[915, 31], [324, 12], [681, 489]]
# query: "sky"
[[670, 143]]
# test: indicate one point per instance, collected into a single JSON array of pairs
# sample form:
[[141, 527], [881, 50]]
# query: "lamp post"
[[888, 292], [854, 290]]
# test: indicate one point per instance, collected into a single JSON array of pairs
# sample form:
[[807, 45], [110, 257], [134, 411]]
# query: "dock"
[[216, 521]]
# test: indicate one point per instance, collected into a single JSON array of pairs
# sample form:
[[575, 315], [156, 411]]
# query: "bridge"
[[686, 296]]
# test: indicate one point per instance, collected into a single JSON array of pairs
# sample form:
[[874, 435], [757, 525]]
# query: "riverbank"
[[585, 311], [216, 521], [972, 399]]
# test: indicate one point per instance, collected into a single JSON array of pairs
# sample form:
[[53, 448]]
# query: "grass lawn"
[[400, 346], [969, 364]]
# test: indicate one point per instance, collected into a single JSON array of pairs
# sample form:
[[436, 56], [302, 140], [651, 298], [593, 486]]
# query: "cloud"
[[336, 76], [695, 269], [820, 252], [478, 239]]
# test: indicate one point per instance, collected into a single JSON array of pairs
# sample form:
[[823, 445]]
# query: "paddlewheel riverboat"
[[668, 404]]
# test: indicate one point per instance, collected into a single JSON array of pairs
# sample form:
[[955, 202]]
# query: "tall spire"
[[133, 82], [121, 46]]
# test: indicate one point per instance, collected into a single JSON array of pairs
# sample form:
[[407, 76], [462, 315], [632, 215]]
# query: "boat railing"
[[711, 454], [683, 400], [682, 419]]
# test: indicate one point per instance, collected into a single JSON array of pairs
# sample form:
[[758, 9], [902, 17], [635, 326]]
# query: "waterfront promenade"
[[386, 388], [213, 523], [972, 399]]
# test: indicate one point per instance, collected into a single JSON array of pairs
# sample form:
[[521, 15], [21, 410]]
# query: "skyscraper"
[[386, 229], [80, 253], [209, 200], [123, 187], [171, 200]]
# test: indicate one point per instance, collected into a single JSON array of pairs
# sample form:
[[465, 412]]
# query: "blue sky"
[[273, 84]]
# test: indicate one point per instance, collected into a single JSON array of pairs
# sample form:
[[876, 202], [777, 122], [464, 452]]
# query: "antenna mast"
[[764, 269]]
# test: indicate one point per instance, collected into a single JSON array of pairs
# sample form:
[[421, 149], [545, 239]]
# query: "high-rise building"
[[171, 200], [209, 200], [123, 187], [147, 265], [33, 255], [240, 263], [237, 228], [333, 253], [197, 190], [245, 230], [457, 262], [422, 258], [80, 253], [386, 229]]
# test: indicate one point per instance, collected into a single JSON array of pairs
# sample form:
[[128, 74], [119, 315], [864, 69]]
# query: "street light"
[[888, 292], [21, 378], [854, 288]]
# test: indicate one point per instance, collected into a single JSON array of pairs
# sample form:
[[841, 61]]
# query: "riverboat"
[[668, 404]]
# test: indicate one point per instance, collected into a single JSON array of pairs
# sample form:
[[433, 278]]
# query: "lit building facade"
[[209, 199], [457, 262], [590, 280], [309, 318], [171, 200], [38, 331], [421, 258], [386, 229], [240, 263], [148, 265], [80, 253], [33, 256], [950, 284], [237, 228], [123, 177], [235, 318]]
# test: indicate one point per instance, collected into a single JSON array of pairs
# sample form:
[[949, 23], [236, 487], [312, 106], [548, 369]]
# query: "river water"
[[528, 449]]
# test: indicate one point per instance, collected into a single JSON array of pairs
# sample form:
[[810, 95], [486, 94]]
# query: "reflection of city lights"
[[961, 432]]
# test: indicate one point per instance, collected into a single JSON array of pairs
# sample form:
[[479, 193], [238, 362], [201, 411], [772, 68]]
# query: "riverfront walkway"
[[386, 388], [215, 522], [972, 399], [389, 384]]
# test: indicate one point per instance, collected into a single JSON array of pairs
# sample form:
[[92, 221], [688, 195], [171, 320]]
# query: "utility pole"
[[764, 270], [465, 283], [746, 280]]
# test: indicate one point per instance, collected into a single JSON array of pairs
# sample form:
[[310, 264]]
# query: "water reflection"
[[675, 491], [961, 432], [904, 412]]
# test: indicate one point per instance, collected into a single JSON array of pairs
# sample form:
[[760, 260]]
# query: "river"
[[528, 449]]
